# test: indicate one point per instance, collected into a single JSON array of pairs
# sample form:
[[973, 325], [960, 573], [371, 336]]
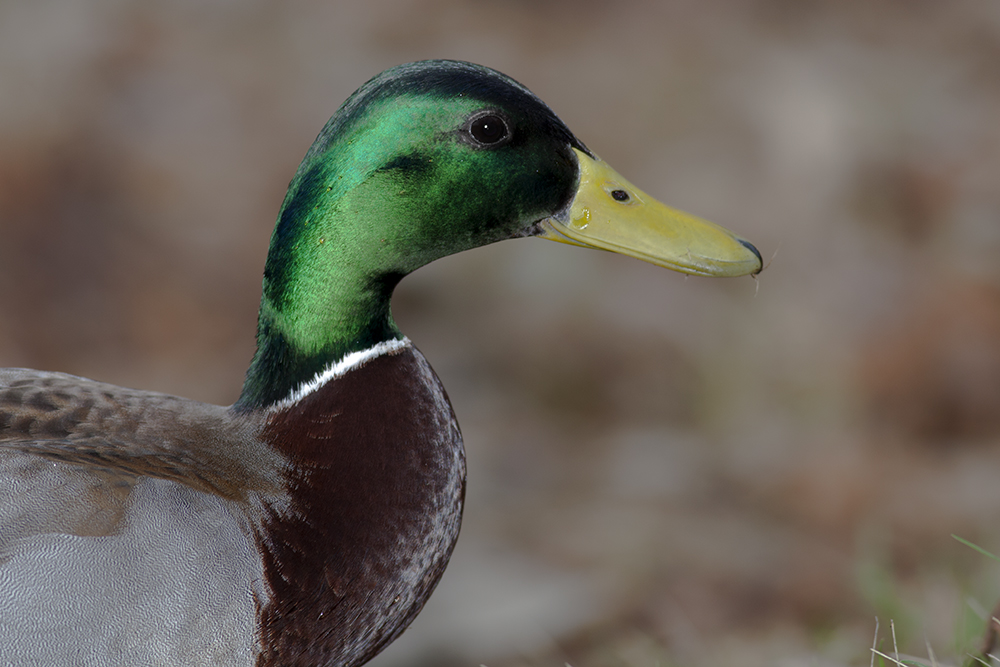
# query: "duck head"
[[429, 159]]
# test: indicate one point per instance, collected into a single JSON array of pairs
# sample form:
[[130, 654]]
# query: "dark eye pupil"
[[619, 195], [488, 129]]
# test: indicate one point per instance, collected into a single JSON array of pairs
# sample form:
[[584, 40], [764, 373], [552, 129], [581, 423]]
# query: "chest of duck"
[[375, 489]]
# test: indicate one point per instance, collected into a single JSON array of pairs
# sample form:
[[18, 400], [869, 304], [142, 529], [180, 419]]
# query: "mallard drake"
[[307, 523]]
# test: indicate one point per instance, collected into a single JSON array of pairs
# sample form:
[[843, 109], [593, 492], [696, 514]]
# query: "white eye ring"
[[488, 129]]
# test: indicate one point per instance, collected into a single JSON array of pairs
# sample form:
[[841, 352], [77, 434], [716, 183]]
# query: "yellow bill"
[[610, 213]]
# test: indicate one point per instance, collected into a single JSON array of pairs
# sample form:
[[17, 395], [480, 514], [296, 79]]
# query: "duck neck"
[[298, 337], [294, 344], [326, 294]]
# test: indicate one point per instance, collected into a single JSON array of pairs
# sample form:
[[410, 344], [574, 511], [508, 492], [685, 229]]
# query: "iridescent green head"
[[425, 160]]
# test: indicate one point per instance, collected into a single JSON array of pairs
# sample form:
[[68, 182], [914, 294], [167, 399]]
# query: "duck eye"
[[619, 195], [489, 129]]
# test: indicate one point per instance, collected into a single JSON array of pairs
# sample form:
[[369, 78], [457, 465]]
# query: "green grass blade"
[[976, 547]]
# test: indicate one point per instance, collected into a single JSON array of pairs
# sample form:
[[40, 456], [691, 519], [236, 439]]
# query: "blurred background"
[[662, 470]]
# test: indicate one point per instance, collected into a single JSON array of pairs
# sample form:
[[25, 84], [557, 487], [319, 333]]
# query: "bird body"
[[307, 523], [167, 531]]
